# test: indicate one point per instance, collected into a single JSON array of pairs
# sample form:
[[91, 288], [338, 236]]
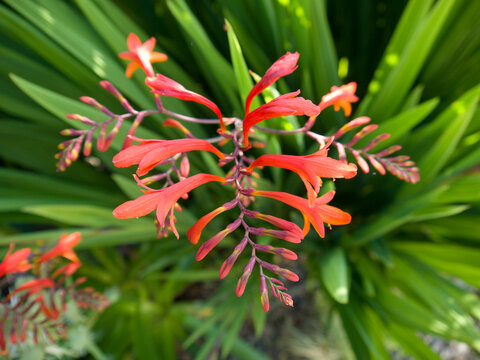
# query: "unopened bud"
[[264, 294], [351, 125], [184, 165], [376, 141], [242, 282]]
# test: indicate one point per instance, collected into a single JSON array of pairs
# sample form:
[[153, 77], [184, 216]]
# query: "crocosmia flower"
[[283, 105], [316, 215], [280, 68], [340, 97], [311, 168], [15, 262], [150, 153], [165, 86], [63, 248], [163, 200], [141, 55]]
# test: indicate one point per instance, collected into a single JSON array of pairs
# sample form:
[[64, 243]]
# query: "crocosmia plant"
[[36, 307], [233, 147]]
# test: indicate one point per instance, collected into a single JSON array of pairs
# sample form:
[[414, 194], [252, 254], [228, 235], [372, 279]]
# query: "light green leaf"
[[334, 273]]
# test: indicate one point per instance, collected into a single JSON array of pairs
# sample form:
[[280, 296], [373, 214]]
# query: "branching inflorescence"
[[34, 308], [177, 183]]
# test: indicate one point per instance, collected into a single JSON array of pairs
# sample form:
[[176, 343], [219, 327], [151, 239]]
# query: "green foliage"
[[407, 265]]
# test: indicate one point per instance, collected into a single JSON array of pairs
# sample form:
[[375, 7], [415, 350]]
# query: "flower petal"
[[141, 206], [285, 105], [167, 87], [280, 68], [171, 147]]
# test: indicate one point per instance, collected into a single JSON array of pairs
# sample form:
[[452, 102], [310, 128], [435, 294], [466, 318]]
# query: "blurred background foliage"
[[405, 269]]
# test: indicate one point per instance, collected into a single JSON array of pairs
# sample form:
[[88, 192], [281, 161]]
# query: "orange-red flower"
[[16, 262], [63, 248], [33, 286], [141, 55], [163, 200], [167, 87], [280, 68], [195, 231], [340, 97], [283, 105], [316, 215], [310, 168], [150, 153]]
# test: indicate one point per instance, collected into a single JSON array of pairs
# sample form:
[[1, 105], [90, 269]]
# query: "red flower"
[[33, 286], [167, 87], [316, 215], [150, 153], [163, 200], [16, 262], [63, 248], [283, 105], [195, 231], [141, 55], [280, 68], [340, 97], [310, 168]]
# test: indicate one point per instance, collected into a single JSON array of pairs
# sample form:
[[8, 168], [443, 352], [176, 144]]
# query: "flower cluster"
[[243, 167], [35, 307]]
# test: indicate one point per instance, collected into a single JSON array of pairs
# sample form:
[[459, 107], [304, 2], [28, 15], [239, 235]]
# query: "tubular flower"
[[316, 215], [165, 86], [280, 68], [16, 262], [150, 153], [33, 286], [195, 231], [63, 248], [141, 55], [310, 168], [283, 105], [163, 200], [340, 97]]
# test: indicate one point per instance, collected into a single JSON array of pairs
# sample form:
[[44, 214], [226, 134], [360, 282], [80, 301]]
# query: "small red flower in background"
[[141, 55], [340, 97], [33, 309], [16, 262], [241, 166], [63, 248]]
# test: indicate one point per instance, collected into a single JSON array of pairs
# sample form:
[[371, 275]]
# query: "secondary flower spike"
[[163, 200], [141, 55]]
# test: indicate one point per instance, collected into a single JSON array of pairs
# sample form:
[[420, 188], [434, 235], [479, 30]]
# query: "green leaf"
[[433, 161], [400, 124], [407, 63], [436, 211], [240, 69], [410, 342], [82, 215], [334, 273], [217, 70], [72, 33], [323, 49], [394, 217]]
